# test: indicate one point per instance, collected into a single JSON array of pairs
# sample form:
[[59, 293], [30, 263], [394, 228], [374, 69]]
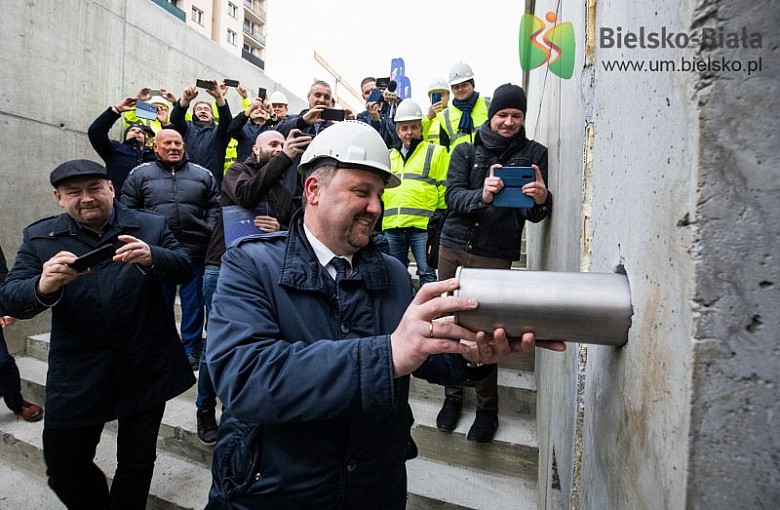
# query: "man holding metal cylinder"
[[312, 337], [478, 233]]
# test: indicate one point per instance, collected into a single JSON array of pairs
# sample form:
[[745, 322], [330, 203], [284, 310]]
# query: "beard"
[[263, 158]]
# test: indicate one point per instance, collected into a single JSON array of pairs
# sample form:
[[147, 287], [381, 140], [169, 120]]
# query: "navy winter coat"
[[120, 157], [313, 416], [205, 143], [114, 346]]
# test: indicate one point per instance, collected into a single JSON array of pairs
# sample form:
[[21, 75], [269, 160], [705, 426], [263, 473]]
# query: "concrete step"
[[469, 488], [23, 490], [511, 459], [177, 484]]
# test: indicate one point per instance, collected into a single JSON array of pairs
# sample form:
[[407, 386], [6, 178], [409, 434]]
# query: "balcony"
[[259, 62], [172, 9], [257, 11], [255, 35]]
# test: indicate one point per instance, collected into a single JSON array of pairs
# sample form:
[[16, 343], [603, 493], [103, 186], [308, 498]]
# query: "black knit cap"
[[76, 168], [507, 96]]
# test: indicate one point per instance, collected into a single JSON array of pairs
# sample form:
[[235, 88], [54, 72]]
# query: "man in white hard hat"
[[312, 337], [422, 169], [459, 121], [279, 105], [439, 95]]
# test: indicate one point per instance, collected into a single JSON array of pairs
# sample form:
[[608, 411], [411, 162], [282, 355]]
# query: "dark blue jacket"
[[114, 346], [484, 229], [205, 143], [313, 417], [120, 157], [245, 133], [291, 179], [384, 126]]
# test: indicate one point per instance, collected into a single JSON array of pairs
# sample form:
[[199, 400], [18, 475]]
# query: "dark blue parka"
[[205, 142], [120, 157], [114, 346], [313, 416]]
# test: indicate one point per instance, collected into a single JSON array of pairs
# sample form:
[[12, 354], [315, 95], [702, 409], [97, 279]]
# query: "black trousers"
[[81, 485]]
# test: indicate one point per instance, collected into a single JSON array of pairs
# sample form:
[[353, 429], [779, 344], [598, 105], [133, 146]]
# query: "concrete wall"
[[671, 175], [62, 64]]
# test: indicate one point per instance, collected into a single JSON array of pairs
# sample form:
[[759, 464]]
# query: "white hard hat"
[[160, 100], [351, 144], [408, 110], [278, 98], [459, 73], [438, 84]]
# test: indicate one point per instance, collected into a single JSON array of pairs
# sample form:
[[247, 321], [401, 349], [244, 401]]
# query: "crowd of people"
[[287, 239]]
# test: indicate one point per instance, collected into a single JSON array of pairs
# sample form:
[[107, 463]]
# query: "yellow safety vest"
[[449, 118], [422, 187]]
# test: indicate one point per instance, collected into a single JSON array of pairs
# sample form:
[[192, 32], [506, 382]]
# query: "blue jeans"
[[207, 395], [191, 296], [400, 240]]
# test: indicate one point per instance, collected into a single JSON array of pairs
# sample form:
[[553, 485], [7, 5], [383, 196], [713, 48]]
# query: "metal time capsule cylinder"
[[593, 308]]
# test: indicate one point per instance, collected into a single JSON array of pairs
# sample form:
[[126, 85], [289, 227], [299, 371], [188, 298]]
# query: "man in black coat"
[[206, 138], [115, 353], [121, 157]]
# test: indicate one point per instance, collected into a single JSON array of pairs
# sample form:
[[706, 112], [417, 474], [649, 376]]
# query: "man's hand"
[[418, 335], [312, 116], [168, 95], [373, 109], [295, 144], [134, 251], [7, 320], [536, 190], [144, 94], [187, 96], [256, 104], [126, 104], [57, 273], [492, 185], [243, 92], [267, 223], [218, 92]]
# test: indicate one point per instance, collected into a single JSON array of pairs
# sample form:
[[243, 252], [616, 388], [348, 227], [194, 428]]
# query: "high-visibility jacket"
[[422, 186], [449, 118]]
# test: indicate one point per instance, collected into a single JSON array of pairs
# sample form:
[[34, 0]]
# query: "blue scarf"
[[466, 124]]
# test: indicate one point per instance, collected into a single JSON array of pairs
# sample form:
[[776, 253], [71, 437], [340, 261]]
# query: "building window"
[[231, 37], [197, 15], [232, 11]]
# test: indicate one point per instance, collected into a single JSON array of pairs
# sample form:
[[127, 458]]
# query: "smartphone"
[[435, 97], [382, 83], [511, 195], [375, 97], [204, 84], [145, 110], [155, 92], [261, 93], [332, 114], [230, 83], [93, 257]]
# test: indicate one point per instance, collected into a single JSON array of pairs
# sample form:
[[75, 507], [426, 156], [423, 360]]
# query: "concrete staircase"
[[449, 474]]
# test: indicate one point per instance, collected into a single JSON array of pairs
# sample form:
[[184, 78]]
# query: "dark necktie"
[[341, 266]]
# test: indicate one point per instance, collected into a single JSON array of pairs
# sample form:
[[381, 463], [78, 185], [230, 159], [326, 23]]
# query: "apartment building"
[[239, 26]]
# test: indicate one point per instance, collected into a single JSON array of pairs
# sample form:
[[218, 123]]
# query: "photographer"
[[380, 108]]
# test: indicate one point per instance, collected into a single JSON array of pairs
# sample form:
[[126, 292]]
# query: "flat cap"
[[76, 168]]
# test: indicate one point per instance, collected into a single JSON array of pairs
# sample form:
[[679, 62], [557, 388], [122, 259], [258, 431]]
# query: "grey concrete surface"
[[670, 175], [63, 63]]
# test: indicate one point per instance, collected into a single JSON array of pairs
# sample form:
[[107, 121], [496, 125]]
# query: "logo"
[[557, 48]]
